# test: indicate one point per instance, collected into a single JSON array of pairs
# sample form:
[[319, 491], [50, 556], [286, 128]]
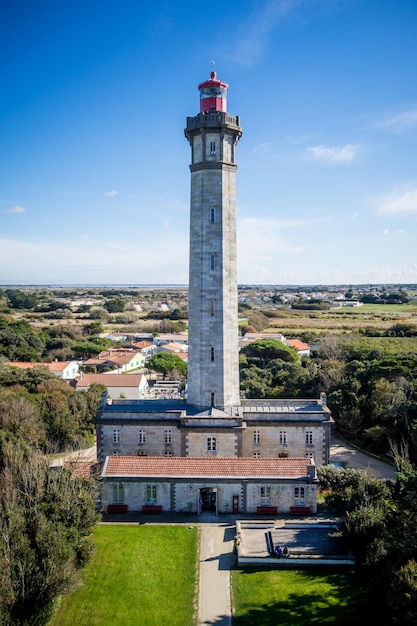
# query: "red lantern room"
[[213, 95]]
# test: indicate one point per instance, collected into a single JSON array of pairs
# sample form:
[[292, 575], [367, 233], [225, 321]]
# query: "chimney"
[[323, 399], [311, 471]]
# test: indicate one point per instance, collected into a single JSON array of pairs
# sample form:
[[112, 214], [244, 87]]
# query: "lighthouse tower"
[[213, 360]]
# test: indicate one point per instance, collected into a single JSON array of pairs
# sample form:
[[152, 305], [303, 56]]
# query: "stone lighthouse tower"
[[213, 360]]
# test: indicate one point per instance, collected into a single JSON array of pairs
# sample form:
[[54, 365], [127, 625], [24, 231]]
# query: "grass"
[[146, 575], [296, 597], [138, 575]]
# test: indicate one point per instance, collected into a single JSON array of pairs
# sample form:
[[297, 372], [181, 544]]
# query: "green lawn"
[[138, 576], [296, 597], [147, 576]]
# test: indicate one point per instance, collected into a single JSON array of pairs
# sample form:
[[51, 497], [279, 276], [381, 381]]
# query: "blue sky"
[[94, 165]]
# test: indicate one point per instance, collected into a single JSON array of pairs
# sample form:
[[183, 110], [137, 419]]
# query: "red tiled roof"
[[216, 467], [82, 469], [297, 344], [110, 380], [143, 344], [55, 366]]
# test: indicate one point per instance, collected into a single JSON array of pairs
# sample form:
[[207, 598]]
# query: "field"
[[291, 322], [139, 575]]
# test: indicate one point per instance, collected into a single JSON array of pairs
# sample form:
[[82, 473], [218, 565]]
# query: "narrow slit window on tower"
[[212, 354], [212, 147], [212, 398], [212, 261], [212, 308], [212, 215]]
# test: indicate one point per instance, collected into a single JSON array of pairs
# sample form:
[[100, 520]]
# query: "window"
[[283, 455], [256, 455], [299, 496], [212, 261], [118, 493], [309, 437], [256, 437], [309, 455], [116, 452], [211, 444], [283, 437], [151, 494], [116, 435], [212, 308], [142, 453], [212, 147], [212, 354], [212, 398], [265, 495], [212, 215], [168, 437], [168, 453], [142, 437]]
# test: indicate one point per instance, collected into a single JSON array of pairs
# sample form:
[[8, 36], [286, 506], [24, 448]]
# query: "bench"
[[151, 508], [117, 508], [266, 510], [300, 510]]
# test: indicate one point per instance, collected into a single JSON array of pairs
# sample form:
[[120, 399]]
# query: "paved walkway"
[[216, 559]]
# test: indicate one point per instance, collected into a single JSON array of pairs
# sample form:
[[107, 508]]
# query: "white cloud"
[[111, 194], [263, 147], [341, 154], [15, 209], [398, 122], [401, 204], [254, 32]]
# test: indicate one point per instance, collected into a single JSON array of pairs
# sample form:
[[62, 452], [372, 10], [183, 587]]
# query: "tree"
[[45, 521], [264, 350], [168, 364], [94, 328], [115, 305]]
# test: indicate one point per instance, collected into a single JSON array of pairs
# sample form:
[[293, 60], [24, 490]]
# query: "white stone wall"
[[282, 496], [185, 495], [296, 446], [154, 445], [229, 442], [135, 494], [226, 444]]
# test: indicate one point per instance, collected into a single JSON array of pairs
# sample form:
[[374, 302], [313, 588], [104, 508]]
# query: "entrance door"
[[235, 504], [208, 498]]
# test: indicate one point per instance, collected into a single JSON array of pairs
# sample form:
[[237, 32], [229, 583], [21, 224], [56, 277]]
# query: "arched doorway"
[[208, 499]]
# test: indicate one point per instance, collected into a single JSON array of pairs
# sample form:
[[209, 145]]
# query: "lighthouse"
[[213, 355]]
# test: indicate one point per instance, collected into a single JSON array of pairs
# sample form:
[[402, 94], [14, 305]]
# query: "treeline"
[[20, 341], [46, 515], [379, 527], [370, 384], [45, 412]]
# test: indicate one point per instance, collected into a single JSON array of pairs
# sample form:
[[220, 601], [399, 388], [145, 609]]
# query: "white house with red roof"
[[119, 359], [67, 370], [220, 485], [147, 348], [129, 386], [303, 349]]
